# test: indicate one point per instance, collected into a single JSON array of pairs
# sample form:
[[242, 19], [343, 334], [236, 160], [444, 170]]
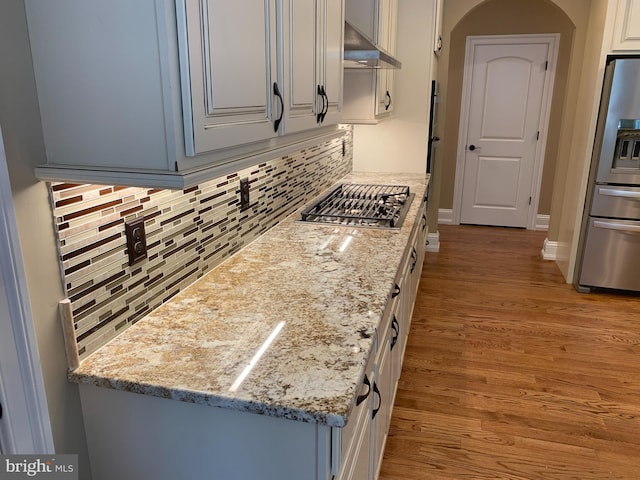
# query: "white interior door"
[[507, 83]]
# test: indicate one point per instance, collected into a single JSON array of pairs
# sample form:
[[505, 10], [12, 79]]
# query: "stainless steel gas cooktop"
[[362, 205]]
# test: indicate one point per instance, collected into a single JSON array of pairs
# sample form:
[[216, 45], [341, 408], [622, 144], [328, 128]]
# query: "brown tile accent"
[[69, 201], [56, 187], [86, 211]]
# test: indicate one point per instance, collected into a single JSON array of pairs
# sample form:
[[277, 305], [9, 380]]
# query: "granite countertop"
[[318, 292]]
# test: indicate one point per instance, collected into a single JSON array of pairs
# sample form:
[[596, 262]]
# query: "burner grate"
[[361, 205]]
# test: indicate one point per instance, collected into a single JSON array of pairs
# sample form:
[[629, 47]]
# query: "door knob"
[[472, 147]]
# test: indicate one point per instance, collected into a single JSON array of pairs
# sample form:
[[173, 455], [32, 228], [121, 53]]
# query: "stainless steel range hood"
[[361, 52]]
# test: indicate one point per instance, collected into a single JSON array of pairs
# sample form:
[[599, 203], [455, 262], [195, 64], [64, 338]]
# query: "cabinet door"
[[228, 99], [626, 34], [332, 53], [311, 63], [387, 20], [352, 443], [300, 64], [381, 403]]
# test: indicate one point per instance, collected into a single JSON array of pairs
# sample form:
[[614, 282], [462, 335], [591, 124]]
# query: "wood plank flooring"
[[509, 373]]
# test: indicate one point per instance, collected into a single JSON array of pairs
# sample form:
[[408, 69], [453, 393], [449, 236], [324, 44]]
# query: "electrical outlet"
[[136, 240], [244, 194]]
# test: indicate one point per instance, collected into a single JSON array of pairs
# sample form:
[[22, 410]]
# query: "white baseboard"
[[433, 242], [542, 222], [445, 216], [549, 250]]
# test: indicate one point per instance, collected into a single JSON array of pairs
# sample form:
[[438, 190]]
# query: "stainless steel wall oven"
[[610, 237]]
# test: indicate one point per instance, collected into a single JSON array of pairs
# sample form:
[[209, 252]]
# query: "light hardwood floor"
[[509, 373]]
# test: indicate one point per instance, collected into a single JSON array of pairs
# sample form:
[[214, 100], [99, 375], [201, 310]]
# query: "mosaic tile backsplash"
[[188, 233]]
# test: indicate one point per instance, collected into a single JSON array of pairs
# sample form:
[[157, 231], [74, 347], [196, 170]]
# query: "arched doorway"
[[504, 17]]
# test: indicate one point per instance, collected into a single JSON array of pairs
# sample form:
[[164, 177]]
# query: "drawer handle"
[[395, 326], [376, 410], [623, 227], [362, 398], [396, 291], [613, 192], [387, 105]]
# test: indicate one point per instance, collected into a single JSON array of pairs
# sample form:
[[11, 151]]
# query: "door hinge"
[[538, 135], [546, 65], [529, 200]]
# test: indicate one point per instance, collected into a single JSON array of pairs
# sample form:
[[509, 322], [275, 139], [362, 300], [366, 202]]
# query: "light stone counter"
[[318, 300]]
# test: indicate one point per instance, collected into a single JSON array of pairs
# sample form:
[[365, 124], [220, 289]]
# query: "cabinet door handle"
[[326, 107], [362, 398], [276, 92], [414, 259], [376, 410], [387, 105], [395, 326], [319, 114], [424, 222], [325, 104], [396, 291]]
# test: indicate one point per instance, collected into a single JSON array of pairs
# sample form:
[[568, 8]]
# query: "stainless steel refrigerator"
[[610, 236]]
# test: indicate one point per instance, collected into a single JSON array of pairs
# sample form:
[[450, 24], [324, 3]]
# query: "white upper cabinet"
[[311, 46], [626, 31], [387, 21], [169, 93], [228, 73], [369, 93]]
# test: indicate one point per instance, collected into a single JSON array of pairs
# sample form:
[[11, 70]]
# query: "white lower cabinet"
[[363, 440], [352, 443], [383, 389], [134, 437]]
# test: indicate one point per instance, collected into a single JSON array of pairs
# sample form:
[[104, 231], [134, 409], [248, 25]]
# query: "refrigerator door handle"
[[614, 192], [624, 227]]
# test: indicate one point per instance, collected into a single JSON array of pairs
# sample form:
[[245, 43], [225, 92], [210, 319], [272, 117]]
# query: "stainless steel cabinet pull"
[[362, 398], [623, 227], [614, 192]]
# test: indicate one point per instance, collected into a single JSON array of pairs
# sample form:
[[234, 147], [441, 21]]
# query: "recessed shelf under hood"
[[361, 52]]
